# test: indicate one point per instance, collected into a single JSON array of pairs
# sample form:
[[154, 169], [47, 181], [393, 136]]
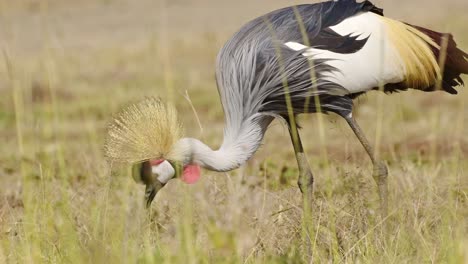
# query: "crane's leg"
[[380, 169], [306, 179], [305, 182]]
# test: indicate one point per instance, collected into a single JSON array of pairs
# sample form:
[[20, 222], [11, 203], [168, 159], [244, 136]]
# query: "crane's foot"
[[306, 184], [380, 175], [305, 180]]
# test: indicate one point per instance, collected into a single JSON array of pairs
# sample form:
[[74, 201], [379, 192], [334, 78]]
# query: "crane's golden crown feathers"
[[145, 130]]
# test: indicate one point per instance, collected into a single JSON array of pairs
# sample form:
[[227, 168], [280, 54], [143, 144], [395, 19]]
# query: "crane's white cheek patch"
[[163, 170], [191, 174]]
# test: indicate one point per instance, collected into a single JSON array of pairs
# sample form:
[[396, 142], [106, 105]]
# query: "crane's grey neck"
[[237, 147]]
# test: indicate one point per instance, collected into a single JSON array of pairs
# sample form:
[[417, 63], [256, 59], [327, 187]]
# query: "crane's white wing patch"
[[295, 46], [377, 63]]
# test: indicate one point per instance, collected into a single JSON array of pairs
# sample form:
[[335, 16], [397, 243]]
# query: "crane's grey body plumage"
[[254, 66]]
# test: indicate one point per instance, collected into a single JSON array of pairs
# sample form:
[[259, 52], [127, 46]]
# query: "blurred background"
[[67, 66]]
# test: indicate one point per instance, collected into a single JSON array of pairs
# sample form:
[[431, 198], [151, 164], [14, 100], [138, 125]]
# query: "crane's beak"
[[151, 191], [153, 174]]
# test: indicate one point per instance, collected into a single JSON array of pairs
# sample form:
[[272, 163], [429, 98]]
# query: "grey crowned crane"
[[300, 59]]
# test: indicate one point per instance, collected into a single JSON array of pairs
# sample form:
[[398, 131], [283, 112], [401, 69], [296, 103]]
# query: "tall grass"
[[62, 203]]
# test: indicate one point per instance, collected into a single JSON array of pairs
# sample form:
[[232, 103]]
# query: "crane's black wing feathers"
[[317, 20], [334, 42]]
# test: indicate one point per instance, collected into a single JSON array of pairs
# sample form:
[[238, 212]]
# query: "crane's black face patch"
[[141, 172]]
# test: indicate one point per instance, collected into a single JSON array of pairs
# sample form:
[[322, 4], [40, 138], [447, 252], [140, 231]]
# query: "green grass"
[[60, 202]]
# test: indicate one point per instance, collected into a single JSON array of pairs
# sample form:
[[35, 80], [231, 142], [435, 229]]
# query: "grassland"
[[66, 67]]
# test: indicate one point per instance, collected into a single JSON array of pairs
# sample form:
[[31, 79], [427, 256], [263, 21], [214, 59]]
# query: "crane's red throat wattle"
[[191, 174]]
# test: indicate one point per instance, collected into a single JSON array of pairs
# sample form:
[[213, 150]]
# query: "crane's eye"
[[148, 171]]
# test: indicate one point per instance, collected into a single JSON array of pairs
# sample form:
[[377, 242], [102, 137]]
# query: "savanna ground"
[[68, 66]]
